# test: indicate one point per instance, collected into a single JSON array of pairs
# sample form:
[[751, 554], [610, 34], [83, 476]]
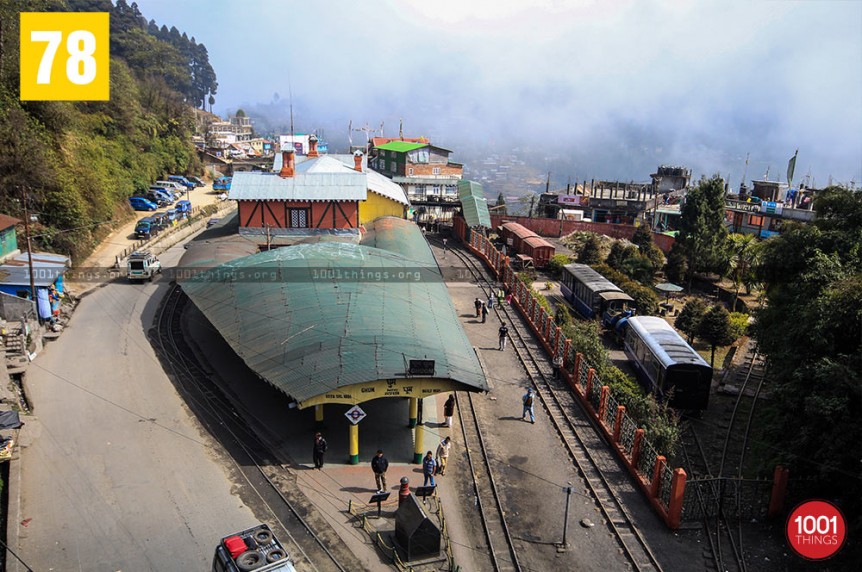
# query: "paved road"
[[115, 474]]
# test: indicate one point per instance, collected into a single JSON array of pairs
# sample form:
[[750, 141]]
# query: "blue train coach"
[[666, 364], [591, 294]]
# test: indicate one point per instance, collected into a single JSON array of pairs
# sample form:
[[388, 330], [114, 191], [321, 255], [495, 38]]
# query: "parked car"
[[171, 194], [145, 228], [142, 204], [181, 180], [184, 207], [196, 181], [169, 185], [159, 198], [160, 221]]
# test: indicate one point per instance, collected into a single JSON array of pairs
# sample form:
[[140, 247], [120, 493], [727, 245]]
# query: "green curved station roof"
[[473, 204], [313, 318]]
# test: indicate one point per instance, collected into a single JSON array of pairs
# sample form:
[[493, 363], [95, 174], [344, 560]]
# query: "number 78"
[[80, 66]]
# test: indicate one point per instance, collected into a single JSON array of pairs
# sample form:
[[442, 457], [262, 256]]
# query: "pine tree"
[[714, 329]]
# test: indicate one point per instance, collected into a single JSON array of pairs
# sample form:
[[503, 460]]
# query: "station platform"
[[530, 464]]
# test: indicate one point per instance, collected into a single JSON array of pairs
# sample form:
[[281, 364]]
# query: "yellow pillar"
[[318, 414], [354, 445], [414, 411], [418, 453]]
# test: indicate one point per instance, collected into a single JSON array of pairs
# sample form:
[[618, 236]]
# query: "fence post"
[[603, 403], [636, 447], [590, 373], [549, 323], [655, 485], [576, 374], [618, 422], [779, 490], [677, 494]]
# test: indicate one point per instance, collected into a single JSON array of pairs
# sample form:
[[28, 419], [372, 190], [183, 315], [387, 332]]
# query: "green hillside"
[[78, 162]]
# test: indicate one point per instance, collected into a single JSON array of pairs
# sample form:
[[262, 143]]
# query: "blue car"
[[142, 204], [181, 180], [184, 207]]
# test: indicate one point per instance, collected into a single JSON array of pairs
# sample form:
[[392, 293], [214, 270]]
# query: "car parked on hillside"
[[183, 207], [145, 228], [181, 180], [142, 204], [143, 265], [196, 181], [169, 185]]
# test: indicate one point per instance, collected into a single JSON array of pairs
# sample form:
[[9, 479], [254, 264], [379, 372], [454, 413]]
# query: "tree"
[[642, 238], [617, 255], [689, 318], [591, 253], [702, 231], [676, 268], [715, 329], [743, 253]]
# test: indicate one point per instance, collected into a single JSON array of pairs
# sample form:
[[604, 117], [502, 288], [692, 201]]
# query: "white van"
[[143, 265], [176, 187]]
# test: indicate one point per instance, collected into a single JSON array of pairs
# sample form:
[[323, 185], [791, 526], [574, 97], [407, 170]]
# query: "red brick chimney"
[[357, 161], [286, 164], [312, 146]]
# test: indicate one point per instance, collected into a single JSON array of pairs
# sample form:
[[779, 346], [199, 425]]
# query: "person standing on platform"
[[449, 409], [528, 405], [429, 465], [491, 300], [503, 333], [558, 366], [319, 450], [380, 464], [509, 298], [484, 312], [478, 304], [443, 455]]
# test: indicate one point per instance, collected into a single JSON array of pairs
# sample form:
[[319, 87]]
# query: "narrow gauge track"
[[726, 538], [559, 401], [485, 487], [248, 453]]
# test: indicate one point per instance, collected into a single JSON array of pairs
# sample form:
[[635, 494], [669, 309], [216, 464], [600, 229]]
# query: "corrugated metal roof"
[[519, 230], [307, 185], [592, 279], [318, 317], [381, 185], [426, 180], [6, 221], [401, 146], [47, 268], [473, 204], [667, 345]]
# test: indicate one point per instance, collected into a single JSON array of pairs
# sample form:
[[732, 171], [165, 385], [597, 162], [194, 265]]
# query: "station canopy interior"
[[340, 322]]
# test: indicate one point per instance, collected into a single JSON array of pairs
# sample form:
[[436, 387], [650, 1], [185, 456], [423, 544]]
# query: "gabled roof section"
[[402, 146], [6, 221], [320, 179], [331, 315], [473, 204]]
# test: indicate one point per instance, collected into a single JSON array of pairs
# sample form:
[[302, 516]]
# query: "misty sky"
[[615, 88]]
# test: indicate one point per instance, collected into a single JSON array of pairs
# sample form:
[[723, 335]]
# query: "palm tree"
[[744, 250]]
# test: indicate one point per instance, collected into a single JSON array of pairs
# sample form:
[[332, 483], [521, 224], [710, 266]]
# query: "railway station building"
[[341, 313]]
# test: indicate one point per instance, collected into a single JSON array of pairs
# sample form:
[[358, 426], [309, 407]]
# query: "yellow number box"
[[65, 56]]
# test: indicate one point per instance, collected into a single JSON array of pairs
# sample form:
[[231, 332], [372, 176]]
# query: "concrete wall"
[[12, 308]]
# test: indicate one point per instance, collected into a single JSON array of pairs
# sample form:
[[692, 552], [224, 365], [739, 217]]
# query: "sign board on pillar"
[[355, 414]]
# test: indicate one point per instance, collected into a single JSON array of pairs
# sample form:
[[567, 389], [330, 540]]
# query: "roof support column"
[[354, 444], [318, 415], [414, 412], [417, 444]]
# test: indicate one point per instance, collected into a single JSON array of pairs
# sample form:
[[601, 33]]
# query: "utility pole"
[[29, 251]]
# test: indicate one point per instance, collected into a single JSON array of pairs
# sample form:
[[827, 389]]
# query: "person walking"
[[478, 304], [443, 455], [509, 298], [319, 450], [449, 409], [503, 333], [380, 464], [491, 300], [558, 366], [429, 465], [528, 405], [484, 313]]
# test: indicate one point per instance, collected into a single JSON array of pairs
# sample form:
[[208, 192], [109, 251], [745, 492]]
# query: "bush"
[[556, 263], [562, 316], [543, 302], [738, 324], [591, 253], [527, 277]]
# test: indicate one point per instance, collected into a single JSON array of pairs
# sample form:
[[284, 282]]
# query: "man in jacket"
[[318, 450], [428, 467], [380, 464]]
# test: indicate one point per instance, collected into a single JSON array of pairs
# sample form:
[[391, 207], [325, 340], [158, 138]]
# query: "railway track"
[[251, 458], [578, 438], [718, 484], [501, 547]]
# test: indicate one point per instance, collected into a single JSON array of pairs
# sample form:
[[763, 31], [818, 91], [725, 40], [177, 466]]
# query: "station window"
[[298, 218], [435, 170], [755, 220], [410, 171]]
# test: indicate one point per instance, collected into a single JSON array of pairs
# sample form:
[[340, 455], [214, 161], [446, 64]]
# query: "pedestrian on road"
[[429, 465], [478, 304], [484, 313], [380, 464], [319, 450], [558, 366], [503, 332], [449, 409], [528, 405], [443, 455]]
